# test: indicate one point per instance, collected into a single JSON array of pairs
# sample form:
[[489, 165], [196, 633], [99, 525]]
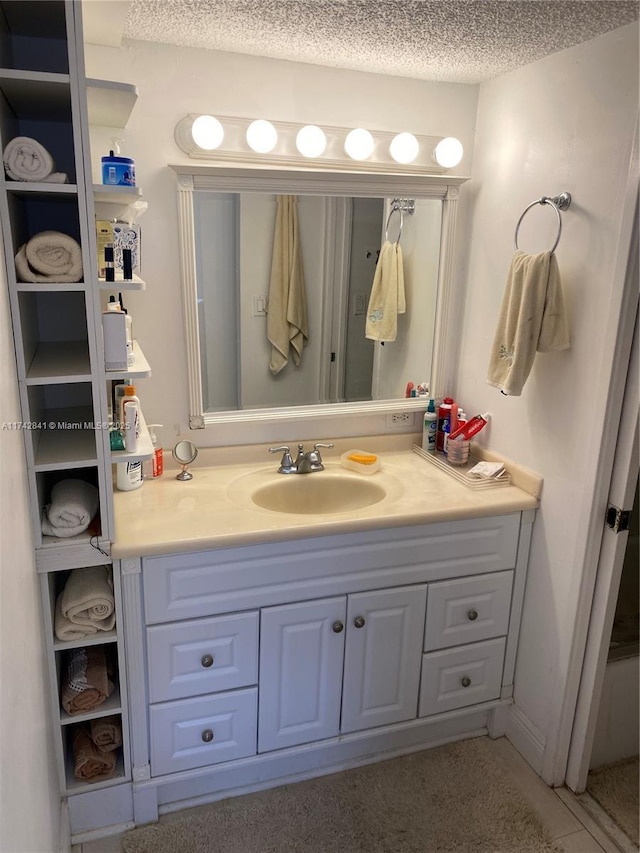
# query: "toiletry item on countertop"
[[408, 389], [361, 461], [471, 427], [443, 413], [154, 467], [487, 470], [129, 475], [429, 428]]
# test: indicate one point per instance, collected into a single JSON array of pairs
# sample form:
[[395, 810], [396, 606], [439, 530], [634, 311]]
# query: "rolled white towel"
[[25, 159], [65, 629], [49, 256], [87, 599], [73, 505]]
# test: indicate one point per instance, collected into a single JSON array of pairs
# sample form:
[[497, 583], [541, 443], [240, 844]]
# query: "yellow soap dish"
[[361, 461]]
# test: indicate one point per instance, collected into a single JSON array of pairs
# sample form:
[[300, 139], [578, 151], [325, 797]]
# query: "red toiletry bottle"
[[443, 413]]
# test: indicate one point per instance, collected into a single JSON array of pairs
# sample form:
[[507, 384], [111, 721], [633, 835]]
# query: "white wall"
[[29, 800], [564, 123], [175, 81]]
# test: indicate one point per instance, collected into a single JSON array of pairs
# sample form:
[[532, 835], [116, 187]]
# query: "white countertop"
[[214, 509]]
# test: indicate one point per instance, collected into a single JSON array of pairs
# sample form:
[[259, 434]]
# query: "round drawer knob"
[[337, 627], [472, 615], [207, 735], [465, 681], [206, 660], [359, 621]]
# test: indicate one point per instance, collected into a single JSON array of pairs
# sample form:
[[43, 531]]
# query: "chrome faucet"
[[305, 463]]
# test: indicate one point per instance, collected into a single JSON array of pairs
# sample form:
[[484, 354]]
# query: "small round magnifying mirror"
[[185, 453]]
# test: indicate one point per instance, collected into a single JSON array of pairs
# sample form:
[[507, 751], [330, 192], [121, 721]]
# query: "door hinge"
[[618, 519]]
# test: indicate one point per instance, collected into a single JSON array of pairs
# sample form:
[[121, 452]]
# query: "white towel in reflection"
[[387, 298], [287, 322], [532, 319]]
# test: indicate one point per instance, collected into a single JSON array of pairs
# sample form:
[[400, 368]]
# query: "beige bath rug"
[[451, 799], [615, 787]]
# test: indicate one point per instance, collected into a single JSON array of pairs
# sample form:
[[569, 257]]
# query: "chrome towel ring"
[[558, 203], [401, 206]]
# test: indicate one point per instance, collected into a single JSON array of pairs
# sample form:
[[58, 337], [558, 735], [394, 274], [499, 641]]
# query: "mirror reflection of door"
[[366, 236], [340, 239]]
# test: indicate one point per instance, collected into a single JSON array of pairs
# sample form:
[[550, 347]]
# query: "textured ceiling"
[[442, 40]]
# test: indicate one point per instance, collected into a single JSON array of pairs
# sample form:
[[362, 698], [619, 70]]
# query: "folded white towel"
[[532, 318], [287, 322], [387, 298], [49, 256], [73, 505], [87, 599], [25, 159]]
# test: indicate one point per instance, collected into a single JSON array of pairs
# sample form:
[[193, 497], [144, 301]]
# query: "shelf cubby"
[[33, 36], [77, 786], [32, 213], [53, 337]]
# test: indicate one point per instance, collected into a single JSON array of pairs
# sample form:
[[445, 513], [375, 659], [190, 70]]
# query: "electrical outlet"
[[400, 418]]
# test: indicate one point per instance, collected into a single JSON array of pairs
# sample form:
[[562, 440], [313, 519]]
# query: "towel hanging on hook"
[[558, 203]]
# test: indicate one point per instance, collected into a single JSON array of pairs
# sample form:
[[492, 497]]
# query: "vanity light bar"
[[233, 139]]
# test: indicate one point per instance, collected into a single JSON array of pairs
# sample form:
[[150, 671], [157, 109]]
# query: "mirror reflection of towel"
[[387, 298], [287, 322], [532, 319]]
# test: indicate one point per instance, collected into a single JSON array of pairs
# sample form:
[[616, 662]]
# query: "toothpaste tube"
[[470, 428]]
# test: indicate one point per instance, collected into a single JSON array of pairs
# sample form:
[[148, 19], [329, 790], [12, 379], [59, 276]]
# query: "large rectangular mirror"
[[228, 223]]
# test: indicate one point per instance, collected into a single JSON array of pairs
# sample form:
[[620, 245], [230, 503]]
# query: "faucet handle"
[[287, 465], [315, 459]]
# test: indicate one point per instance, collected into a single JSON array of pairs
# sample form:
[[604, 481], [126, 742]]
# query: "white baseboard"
[[64, 838], [527, 738]]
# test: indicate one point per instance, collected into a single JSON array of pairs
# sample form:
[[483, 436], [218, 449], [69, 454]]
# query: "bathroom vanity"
[[266, 646]]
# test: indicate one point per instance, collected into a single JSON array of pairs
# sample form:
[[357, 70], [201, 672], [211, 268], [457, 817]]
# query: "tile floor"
[[568, 823]]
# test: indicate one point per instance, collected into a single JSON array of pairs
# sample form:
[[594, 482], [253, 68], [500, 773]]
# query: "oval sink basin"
[[318, 493]]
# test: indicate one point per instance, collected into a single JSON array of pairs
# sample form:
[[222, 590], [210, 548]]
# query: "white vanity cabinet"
[[339, 665], [261, 663]]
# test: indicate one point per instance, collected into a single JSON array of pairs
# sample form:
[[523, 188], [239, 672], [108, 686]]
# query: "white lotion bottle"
[[131, 424], [129, 475]]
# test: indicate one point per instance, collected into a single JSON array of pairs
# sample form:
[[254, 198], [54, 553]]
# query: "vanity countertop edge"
[[167, 516]]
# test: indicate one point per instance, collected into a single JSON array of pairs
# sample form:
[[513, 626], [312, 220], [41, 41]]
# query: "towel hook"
[[558, 203], [401, 206]]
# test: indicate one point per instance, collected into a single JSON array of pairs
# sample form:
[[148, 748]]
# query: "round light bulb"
[[404, 148], [207, 132], [359, 144], [311, 141], [448, 152], [261, 136]]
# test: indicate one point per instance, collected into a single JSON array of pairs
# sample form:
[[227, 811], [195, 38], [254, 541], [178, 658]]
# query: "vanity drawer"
[[463, 676], [467, 610], [202, 731], [202, 656]]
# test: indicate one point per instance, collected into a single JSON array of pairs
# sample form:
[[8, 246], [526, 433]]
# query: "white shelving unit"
[[59, 353]]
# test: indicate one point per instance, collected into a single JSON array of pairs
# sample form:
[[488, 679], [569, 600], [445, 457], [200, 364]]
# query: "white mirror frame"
[[297, 182]]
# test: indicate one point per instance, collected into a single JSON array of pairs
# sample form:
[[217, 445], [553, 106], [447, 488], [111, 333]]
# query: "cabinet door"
[[382, 657], [301, 655]]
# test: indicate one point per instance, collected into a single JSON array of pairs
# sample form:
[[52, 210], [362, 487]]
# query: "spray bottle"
[[153, 467]]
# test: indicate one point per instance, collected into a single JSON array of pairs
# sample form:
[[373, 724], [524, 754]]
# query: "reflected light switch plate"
[[360, 304], [259, 306]]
